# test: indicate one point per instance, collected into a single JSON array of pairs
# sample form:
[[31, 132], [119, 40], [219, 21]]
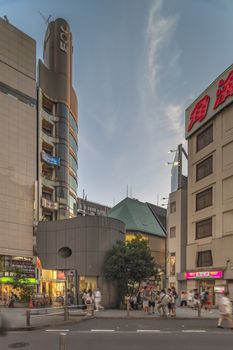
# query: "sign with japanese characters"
[[200, 275], [216, 97]]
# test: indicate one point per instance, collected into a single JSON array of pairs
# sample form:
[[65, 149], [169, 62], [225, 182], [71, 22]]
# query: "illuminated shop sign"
[[216, 97], [48, 204], [23, 280], [203, 275], [50, 159]]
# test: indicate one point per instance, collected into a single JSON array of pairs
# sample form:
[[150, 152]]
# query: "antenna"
[[44, 18]]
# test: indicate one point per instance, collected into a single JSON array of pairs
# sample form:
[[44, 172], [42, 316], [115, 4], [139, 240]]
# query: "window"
[[73, 163], [73, 123], [204, 228], [204, 258], [204, 168], [204, 199], [173, 207], [172, 232], [205, 138], [73, 143], [73, 183], [72, 204]]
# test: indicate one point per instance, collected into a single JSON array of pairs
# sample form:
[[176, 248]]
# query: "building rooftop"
[[138, 217]]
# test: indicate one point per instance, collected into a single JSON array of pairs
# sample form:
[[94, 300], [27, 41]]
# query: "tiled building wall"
[[17, 141]]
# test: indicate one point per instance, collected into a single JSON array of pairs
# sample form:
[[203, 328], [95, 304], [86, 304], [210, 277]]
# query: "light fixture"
[[172, 150]]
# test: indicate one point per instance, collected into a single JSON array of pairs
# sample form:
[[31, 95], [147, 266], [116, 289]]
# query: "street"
[[126, 334]]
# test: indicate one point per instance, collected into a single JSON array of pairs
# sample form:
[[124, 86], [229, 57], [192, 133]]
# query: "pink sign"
[[203, 275]]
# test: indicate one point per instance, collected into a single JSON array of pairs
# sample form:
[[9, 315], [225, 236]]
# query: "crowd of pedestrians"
[[151, 300]]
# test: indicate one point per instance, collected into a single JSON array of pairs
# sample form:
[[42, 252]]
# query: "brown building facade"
[[209, 131], [57, 127]]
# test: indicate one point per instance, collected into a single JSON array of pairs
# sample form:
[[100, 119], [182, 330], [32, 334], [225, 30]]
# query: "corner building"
[[17, 154], [57, 127], [209, 131]]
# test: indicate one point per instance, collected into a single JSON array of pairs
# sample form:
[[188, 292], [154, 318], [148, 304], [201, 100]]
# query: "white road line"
[[57, 330], [148, 330], [193, 331], [102, 330]]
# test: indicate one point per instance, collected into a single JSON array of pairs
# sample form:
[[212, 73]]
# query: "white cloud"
[[159, 31]]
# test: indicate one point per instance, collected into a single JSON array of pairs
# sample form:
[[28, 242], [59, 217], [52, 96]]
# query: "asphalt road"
[[126, 335]]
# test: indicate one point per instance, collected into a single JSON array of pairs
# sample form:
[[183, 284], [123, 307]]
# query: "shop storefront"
[[14, 268], [214, 280], [52, 285]]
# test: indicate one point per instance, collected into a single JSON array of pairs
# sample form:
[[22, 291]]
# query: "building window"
[[204, 258], [172, 232], [73, 123], [73, 163], [204, 199], [172, 264], [73, 183], [204, 168], [73, 143], [173, 207], [204, 228], [205, 138]]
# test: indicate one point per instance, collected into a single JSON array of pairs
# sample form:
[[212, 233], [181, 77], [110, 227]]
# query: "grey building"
[[78, 246], [57, 126], [17, 151]]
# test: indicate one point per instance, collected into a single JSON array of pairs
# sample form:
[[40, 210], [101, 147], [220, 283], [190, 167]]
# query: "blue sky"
[[137, 65]]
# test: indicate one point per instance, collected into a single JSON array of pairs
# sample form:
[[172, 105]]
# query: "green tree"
[[26, 290], [129, 263]]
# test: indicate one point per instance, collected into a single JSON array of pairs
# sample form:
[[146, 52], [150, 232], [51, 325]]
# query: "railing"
[[66, 311]]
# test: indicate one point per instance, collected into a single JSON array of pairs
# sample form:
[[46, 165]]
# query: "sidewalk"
[[181, 313], [17, 317]]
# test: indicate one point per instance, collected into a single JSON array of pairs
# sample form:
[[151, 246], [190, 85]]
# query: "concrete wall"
[[89, 238], [17, 140]]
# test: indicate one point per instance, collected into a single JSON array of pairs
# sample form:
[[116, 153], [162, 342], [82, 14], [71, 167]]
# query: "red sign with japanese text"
[[225, 89], [199, 112]]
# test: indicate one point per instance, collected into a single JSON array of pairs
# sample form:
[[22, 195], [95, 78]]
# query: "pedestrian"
[[152, 300], [225, 310], [164, 300], [97, 300], [208, 300], [145, 300], [183, 298], [12, 301], [196, 299], [4, 325]]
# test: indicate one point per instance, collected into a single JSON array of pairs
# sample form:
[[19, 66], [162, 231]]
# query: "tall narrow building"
[[57, 126]]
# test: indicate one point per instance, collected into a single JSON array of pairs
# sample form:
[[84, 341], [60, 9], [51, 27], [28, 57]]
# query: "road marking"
[[193, 331], [57, 330], [148, 330], [102, 330]]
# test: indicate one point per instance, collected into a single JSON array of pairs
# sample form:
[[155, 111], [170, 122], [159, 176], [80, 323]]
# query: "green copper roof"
[[137, 216]]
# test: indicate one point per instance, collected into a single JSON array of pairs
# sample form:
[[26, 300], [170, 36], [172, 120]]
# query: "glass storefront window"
[[86, 282]]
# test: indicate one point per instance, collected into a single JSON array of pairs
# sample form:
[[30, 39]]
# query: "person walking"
[[164, 300], [152, 300], [97, 300], [145, 300], [225, 310]]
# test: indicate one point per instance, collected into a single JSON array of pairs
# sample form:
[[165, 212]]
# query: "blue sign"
[[50, 159]]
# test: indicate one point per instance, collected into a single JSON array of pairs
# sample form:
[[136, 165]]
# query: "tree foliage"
[[20, 281], [129, 262]]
